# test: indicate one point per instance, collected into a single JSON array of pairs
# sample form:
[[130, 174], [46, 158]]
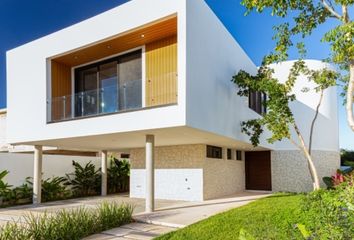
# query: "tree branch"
[[331, 9], [314, 120], [350, 96], [295, 143], [345, 14]]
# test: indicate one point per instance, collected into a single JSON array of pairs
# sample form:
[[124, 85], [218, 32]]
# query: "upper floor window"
[[214, 152], [256, 102]]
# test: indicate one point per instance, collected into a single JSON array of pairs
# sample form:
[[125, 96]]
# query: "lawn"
[[274, 217]]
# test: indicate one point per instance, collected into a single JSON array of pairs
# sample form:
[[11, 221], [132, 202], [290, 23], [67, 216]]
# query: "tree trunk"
[[314, 120], [311, 165], [350, 92]]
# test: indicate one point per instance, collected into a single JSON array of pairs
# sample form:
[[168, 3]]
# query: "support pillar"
[[150, 173], [37, 175], [104, 173]]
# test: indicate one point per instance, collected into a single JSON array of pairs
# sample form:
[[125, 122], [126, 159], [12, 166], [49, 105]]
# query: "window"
[[214, 152], [229, 154], [238, 155], [125, 155], [256, 102]]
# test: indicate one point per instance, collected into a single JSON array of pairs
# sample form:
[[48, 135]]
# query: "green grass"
[[274, 217]]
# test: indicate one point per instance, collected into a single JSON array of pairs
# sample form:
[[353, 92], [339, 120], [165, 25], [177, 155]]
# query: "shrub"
[[4, 186], [330, 213], [118, 176], [69, 224], [53, 189], [347, 157], [85, 180]]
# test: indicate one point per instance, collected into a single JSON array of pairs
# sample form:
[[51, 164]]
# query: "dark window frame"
[[214, 152], [238, 155], [229, 154], [256, 102]]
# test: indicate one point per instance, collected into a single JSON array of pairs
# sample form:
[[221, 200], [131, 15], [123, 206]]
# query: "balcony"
[[131, 71], [109, 100]]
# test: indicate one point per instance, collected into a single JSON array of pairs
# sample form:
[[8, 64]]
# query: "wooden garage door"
[[258, 171]]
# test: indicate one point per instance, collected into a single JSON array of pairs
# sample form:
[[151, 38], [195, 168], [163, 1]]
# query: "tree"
[[279, 119], [308, 15]]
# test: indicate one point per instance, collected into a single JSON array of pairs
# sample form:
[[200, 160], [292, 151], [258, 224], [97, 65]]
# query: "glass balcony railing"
[[106, 100]]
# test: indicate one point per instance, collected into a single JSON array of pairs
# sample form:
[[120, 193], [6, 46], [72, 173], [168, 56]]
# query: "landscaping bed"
[[68, 224], [84, 181]]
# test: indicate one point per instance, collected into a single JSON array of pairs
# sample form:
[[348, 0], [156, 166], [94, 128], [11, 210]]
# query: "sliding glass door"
[[109, 86], [129, 81]]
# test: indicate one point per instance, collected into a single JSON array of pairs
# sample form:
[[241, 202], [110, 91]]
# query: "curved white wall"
[[326, 127]]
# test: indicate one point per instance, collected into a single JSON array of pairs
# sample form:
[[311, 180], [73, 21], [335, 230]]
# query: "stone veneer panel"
[[290, 171], [223, 177], [180, 156], [220, 177]]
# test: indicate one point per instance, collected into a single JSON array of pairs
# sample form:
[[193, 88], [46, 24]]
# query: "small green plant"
[[4, 186], [111, 215], [118, 176], [68, 224], [85, 180], [53, 189]]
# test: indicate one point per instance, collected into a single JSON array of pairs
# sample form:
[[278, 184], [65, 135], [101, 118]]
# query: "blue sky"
[[22, 21]]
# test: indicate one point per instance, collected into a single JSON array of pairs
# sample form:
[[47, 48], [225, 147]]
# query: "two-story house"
[[154, 78]]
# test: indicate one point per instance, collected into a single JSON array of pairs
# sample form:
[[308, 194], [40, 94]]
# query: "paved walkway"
[[169, 216]]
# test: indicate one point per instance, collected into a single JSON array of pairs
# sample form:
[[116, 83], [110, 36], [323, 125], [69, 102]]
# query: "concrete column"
[[104, 173], [37, 175], [150, 174]]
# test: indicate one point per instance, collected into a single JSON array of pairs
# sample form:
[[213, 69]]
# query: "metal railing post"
[[64, 107], [82, 103]]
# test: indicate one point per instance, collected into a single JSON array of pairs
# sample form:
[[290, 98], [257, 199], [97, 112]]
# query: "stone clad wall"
[[181, 156], [184, 173], [290, 172], [223, 177]]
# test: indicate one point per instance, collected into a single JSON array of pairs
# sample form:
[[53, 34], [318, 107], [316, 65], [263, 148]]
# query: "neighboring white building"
[[140, 76], [18, 160]]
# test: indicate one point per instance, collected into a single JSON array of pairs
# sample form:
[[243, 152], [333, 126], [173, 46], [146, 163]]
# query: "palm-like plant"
[[85, 180], [4, 186], [118, 176], [52, 188]]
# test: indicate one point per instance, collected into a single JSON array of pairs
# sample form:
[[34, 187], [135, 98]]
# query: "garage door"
[[258, 171]]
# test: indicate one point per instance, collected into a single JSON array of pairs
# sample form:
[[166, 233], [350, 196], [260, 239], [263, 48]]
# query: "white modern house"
[[154, 78]]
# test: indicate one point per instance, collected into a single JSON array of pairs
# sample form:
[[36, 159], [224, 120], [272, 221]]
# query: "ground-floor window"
[[214, 152]]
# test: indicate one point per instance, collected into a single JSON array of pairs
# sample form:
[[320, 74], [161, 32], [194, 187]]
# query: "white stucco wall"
[[326, 132], [20, 166], [27, 76], [170, 184], [213, 57], [3, 145]]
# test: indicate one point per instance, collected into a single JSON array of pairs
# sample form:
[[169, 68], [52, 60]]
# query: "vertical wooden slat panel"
[[161, 70], [61, 86]]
